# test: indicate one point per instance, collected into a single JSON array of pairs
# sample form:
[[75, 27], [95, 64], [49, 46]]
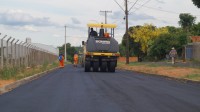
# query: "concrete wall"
[[196, 51], [131, 59]]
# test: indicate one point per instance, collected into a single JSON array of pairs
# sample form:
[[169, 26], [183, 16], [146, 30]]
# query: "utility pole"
[[106, 16], [126, 32], [65, 45], [127, 37]]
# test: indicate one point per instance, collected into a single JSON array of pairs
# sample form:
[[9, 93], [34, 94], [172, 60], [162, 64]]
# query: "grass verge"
[[174, 71], [17, 73], [195, 77]]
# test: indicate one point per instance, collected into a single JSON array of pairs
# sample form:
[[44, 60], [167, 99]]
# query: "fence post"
[[15, 58], [19, 57], [2, 51], [7, 58], [37, 55], [23, 57], [30, 55], [28, 63], [26, 54], [11, 62]]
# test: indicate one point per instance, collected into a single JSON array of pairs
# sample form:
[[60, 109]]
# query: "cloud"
[[165, 22], [160, 1], [75, 21], [117, 15], [20, 18], [30, 28], [142, 16], [56, 35], [132, 16]]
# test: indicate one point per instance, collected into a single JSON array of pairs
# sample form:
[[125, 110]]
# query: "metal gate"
[[188, 52]]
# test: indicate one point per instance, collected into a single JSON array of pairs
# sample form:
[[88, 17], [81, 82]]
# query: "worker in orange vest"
[[75, 60], [61, 60]]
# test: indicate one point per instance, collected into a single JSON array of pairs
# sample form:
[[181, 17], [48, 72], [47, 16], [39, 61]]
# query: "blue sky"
[[43, 20]]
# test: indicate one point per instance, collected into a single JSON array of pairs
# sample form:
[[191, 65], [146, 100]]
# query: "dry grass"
[[175, 72], [25, 72], [5, 82]]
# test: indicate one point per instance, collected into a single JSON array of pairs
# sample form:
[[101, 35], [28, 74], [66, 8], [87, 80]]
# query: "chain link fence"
[[15, 53]]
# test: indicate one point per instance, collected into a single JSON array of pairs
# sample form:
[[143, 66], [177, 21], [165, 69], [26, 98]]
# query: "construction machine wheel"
[[95, 66], [111, 66], [103, 66], [87, 66]]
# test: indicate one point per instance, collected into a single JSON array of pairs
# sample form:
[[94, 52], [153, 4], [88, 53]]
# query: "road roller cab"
[[101, 48]]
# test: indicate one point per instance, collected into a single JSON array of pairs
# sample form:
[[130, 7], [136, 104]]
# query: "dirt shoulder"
[[163, 69], [6, 82]]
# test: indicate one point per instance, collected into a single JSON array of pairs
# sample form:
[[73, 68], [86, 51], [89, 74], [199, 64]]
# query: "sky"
[[43, 20]]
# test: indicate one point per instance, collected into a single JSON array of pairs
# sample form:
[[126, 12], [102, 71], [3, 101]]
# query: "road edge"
[[23, 81], [167, 77]]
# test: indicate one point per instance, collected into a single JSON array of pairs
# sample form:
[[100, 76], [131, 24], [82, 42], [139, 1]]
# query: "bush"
[[8, 73], [163, 44], [44, 66]]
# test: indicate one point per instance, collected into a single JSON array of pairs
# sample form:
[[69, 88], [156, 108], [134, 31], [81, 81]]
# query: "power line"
[[133, 5], [119, 5], [161, 10], [172, 12], [126, 17], [142, 5], [127, 38]]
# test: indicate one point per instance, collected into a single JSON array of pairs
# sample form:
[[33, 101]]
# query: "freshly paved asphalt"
[[72, 90]]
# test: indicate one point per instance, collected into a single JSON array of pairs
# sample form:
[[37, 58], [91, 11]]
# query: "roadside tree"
[[163, 44], [145, 35], [196, 29], [196, 2], [186, 21]]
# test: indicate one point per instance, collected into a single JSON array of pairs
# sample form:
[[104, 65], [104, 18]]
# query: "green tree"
[[172, 29], [70, 51], [122, 50], [145, 35], [186, 21], [196, 29], [196, 2], [134, 47], [163, 44]]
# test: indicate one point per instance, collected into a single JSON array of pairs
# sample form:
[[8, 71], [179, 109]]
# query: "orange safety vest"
[[106, 35], [75, 57]]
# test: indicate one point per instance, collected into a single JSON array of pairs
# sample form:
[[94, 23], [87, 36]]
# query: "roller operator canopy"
[[102, 25]]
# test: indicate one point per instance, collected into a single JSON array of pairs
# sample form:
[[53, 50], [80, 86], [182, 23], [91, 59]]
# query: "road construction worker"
[[61, 60], [92, 32], [173, 54], [75, 60], [106, 35]]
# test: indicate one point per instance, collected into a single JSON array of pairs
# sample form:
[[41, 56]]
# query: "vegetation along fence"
[[15, 53]]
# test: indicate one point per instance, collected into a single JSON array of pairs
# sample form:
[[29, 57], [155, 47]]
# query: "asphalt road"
[[72, 90]]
